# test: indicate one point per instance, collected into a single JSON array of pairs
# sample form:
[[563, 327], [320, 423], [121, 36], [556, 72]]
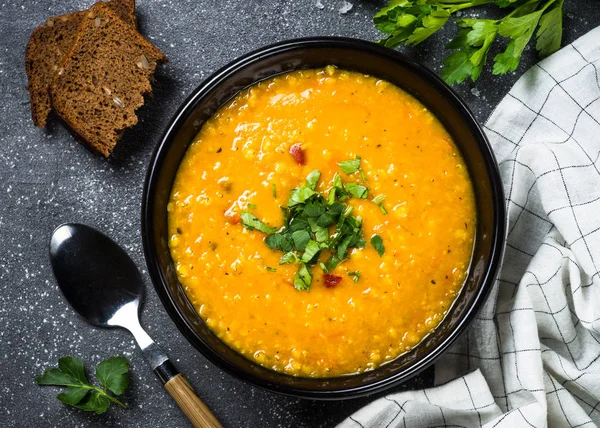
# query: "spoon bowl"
[[95, 275]]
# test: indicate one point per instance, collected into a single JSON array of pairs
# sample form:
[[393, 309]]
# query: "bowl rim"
[[207, 85]]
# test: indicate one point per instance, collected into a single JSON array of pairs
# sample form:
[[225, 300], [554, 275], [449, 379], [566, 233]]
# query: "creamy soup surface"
[[240, 162]]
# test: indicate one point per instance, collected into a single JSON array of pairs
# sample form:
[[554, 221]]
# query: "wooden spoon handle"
[[196, 411], [184, 395]]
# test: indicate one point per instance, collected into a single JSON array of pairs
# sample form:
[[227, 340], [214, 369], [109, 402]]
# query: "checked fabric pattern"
[[532, 356]]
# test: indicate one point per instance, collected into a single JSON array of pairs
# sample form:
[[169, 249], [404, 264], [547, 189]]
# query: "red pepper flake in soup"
[[331, 280], [232, 218], [298, 154]]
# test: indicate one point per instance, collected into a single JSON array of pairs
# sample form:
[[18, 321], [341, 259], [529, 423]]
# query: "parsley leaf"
[[333, 262], [457, 67], [337, 191], [250, 222], [301, 239], [357, 190], [303, 278], [326, 219], [377, 243], [289, 257], [473, 43], [519, 30], [74, 395], [549, 34], [314, 209], [322, 234], [279, 241], [270, 269], [112, 374], [312, 179], [300, 195], [93, 402], [429, 24], [350, 166], [310, 251]]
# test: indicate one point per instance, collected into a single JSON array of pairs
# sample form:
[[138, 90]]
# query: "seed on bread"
[[104, 78]]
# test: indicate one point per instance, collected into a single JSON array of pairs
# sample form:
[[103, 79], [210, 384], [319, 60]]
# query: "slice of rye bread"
[[104, 78], [47, 47]]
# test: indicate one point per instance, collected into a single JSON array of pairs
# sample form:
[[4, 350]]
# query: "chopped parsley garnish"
[[300, 196], [312, 179], [313, 224], [377, 243], [270, 269], [303, 278], [355, 275], [337, 191], [362, 174], [357, 190], [250, 222], [350, 166], [253, 206], [378, 200]]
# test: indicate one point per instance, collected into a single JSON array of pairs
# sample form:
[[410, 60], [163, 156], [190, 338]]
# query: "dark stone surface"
[[46, 179]]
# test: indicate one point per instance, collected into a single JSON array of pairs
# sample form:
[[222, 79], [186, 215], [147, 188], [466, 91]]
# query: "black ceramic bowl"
[[347, 54]]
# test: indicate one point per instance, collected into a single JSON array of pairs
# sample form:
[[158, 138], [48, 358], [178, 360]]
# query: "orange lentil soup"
[[242, 161]]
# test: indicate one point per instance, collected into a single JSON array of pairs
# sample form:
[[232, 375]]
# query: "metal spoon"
[[103, 285]]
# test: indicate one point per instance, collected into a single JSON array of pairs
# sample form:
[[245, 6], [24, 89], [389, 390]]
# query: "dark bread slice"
[[47, 47], [104, 78]]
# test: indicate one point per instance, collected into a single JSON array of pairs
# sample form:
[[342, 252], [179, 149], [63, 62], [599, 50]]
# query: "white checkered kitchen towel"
[[532, 356]]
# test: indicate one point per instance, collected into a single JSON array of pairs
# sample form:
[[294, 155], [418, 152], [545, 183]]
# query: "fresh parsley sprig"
[[413, 21], [80, 393]]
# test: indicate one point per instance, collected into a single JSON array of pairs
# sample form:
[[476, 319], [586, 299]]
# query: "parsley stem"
[[110, 397], [460, 4], [519, 9]]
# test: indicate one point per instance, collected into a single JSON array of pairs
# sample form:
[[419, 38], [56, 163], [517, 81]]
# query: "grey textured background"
[[46, 179]]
